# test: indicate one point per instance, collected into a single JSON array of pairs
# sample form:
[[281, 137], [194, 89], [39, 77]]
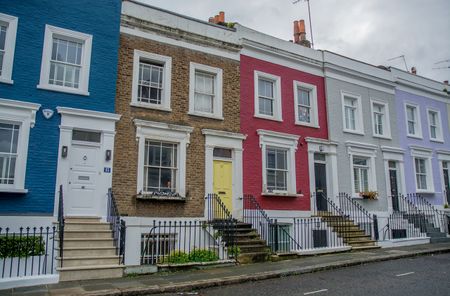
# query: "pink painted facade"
[[252, 156]]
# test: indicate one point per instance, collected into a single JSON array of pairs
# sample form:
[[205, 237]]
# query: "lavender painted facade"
[[424, 136]]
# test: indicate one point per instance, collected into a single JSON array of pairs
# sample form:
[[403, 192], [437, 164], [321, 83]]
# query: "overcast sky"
[[372, 31]]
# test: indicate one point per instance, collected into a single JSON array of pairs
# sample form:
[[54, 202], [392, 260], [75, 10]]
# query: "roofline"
[[180, 15], [415, 75], [387, 69]]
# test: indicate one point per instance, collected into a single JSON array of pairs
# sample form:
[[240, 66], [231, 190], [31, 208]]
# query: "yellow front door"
[[223, 182]]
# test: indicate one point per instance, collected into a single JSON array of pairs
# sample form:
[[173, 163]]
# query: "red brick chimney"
[[218, 19], [300, 34]]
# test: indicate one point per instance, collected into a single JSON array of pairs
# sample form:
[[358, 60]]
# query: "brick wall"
[[126, 151]]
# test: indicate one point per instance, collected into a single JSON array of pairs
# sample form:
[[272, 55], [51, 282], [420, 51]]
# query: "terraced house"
[[179, 137], [57, 126]]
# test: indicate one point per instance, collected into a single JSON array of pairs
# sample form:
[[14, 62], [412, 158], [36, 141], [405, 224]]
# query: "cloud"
[[372, 31]]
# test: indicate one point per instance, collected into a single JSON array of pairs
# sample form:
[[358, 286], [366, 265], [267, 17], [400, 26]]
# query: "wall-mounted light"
[[321, 148], [64, 151], [108, 155]]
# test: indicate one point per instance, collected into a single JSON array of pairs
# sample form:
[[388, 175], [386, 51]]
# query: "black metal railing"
[[118, 226], [185, 242], [216, 209], [313, 233], [414, 207], [277, 235], [61, 224], [28, 252], [359, 215], [399, 227]]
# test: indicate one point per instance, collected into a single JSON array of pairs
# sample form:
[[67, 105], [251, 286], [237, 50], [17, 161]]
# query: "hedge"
[[21, 246]]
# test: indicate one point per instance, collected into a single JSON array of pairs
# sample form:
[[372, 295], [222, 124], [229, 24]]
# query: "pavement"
[[199, 279]]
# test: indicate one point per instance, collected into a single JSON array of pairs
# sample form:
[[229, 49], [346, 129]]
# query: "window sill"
[[62, 89], [267, 117], [425, 191], [14, 190], [279, 194], [160, 197], [353, 132], [307, 124], [206, 115], [151, 106], [6, 80], [382, 137], [437, 141], [415, 137]]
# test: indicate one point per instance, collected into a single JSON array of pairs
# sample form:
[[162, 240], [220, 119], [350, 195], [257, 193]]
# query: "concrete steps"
[[350, 232], [89, 251], [251, 248]]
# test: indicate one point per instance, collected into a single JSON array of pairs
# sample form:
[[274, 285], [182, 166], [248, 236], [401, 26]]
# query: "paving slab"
[[185, 281]]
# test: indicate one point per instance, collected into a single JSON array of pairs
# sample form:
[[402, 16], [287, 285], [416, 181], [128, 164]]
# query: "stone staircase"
[[251, 247], [419, 220], [88, 251], [350, 232]]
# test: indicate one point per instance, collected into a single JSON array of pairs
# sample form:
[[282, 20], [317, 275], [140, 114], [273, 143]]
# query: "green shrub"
[[234, 251], [178, 257], [21, 246], [203, 256]]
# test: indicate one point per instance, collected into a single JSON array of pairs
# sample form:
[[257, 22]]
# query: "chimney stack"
[[446, 82], [218, 19], [413, 70], [300, 34]]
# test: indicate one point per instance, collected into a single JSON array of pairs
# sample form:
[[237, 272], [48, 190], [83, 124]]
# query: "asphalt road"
[[421, 276]]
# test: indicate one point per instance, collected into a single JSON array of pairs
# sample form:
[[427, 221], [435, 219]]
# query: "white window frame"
[[277, 112], [443, 156], [10, 45], [158, 131], [314, 113], [167, 80], [218, 85], [418, 134], [289, 142], [364, 151], [86, 40], [23, 114], [427, 155], [439, 136], [386, 123], [359, 124]]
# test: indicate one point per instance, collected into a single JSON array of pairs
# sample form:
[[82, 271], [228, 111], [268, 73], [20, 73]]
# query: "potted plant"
[[369, 195]]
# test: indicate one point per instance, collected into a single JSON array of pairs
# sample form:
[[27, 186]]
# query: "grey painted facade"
[[371, 84]]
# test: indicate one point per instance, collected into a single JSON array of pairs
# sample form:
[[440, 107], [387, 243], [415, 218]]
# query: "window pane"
[[266, 106], [364, 180], [281, 180], [304, 114], [410, 112], [160, 166], [265, 88], [2, 37], [303, 97], [222, 152], [411, 127], [86, 136], [271, 158], [357, 181], [270, 179], [433, 132], [1, 61], [154, 153], [204, 103], [359, 161], [8, 137], [152, 179], [281, 160]]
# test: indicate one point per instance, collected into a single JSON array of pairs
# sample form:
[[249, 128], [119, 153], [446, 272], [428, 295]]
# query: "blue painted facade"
[[101, 19]]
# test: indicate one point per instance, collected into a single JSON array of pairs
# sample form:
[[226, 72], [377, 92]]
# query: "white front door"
[[82, 198]]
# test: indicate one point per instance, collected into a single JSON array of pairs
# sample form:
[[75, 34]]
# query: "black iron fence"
[[118, 226], [61, 225], [28, 252], [184, 242], [399, 227], [277, 235], [414, 207], [216, 209], [360, 216], [313, 233]]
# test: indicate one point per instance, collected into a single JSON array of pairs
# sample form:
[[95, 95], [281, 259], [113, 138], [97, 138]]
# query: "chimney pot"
[[414, 70], [446, 82], [301, 26], [221, 16], [211, 20]]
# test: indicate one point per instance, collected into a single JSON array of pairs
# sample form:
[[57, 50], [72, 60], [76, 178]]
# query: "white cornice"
[[262, 132], [420, 148], [223, 134], [320, 141], [392, 149], [19, 104], [360, 145], [88, 113], [163, 126]]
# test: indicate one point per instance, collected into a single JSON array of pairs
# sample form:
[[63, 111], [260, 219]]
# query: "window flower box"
[[372, 195]]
